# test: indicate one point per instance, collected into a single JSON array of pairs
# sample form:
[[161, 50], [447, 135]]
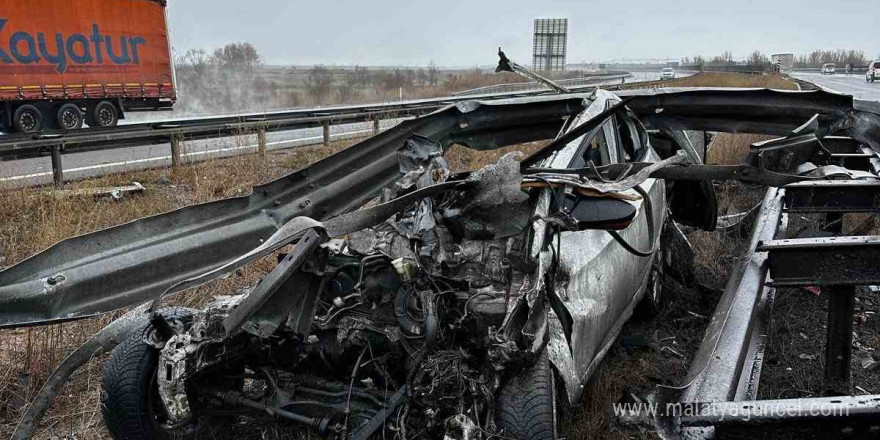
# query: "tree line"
[[234, 78], [815, 58]]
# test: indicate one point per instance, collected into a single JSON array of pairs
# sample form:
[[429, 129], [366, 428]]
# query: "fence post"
[[175, 151], [326, 125], [376, 126], [261, 140], [57, 170]]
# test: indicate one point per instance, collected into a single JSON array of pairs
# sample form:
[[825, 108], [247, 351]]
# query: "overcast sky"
[[467, 33]]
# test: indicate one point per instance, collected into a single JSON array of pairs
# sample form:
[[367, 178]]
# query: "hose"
[[652, 236]]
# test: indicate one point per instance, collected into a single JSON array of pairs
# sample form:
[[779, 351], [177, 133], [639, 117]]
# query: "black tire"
[[69, 117], [27, 119], [130, 404], [103, 114], [527, 407]]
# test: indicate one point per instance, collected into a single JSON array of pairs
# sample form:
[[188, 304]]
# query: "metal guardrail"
[[174, 132], [720, 397], [532, 85]]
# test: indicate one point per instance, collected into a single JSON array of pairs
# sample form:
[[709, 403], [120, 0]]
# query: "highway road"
[[850, 84], [38, 171]]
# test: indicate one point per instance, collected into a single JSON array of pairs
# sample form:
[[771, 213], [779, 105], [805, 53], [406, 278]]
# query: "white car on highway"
[[667, 73], [873, 73], [829, 69]]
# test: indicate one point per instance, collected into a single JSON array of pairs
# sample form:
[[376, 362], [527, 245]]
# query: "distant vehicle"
[[62, 68], [829, 69], [873, 73], [667, 73]]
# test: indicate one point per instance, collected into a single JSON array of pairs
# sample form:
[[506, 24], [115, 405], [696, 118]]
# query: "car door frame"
[[598, 280]]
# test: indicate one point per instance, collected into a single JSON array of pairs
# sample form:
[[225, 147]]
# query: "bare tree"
[[757, 58], [317, 83], [432, 73], [241, 58], [348, 89]]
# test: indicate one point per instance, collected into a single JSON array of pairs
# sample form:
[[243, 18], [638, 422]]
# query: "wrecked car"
[[408, 300], [442, 315]]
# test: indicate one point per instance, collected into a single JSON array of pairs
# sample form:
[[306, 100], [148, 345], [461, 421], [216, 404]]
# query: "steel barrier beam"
[[833, 196], [836, 261]]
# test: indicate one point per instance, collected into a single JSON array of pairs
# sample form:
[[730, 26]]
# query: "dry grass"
[[721, 79]]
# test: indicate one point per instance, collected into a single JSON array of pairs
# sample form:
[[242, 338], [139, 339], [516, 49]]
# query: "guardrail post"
[[57, 170], [376, 127], [838, 348], [261, 141], [838, 338], [175, 151], [326, 125]]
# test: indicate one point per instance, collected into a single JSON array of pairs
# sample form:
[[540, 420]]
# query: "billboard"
[[550, 41], [782, 62]]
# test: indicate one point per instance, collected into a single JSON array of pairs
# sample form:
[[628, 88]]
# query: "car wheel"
[[104, 114], [69, 117], [528, 405], [27, 119], [131, 405]]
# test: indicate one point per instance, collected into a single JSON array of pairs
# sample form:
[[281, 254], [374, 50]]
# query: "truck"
[[65, 64]]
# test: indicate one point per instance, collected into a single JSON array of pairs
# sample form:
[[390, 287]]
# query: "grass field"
[[31, 220]]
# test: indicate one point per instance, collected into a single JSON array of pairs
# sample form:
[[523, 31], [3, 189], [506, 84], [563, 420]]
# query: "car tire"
[[69, 117], [528, 405], [27, 119], [103, 114], [130, 404]]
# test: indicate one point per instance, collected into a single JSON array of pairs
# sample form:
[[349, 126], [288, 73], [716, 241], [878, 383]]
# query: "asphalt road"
[[38, 171], [854, 84]]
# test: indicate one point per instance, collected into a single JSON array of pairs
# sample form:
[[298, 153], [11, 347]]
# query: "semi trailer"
[[65, 64]]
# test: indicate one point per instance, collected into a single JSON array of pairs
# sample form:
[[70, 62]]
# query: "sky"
[[459, 33]]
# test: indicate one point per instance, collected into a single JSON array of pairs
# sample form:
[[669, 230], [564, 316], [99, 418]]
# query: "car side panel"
[[600, 281]]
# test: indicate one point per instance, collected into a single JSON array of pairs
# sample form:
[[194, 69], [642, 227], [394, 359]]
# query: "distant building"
[[550, 41], [782, 62]]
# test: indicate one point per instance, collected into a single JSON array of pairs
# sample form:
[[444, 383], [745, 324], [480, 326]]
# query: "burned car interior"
[[408, 300]]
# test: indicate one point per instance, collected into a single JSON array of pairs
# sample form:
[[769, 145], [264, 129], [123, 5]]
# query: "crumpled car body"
[[407, 297], [601, 281]]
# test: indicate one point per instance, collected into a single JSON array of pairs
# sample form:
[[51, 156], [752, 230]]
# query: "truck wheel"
[[27, 119], [527, 406], [69, 117], [104, 114], [131, 405]]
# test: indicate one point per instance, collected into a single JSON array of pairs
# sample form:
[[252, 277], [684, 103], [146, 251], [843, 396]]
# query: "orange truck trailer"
[[65, 63]]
